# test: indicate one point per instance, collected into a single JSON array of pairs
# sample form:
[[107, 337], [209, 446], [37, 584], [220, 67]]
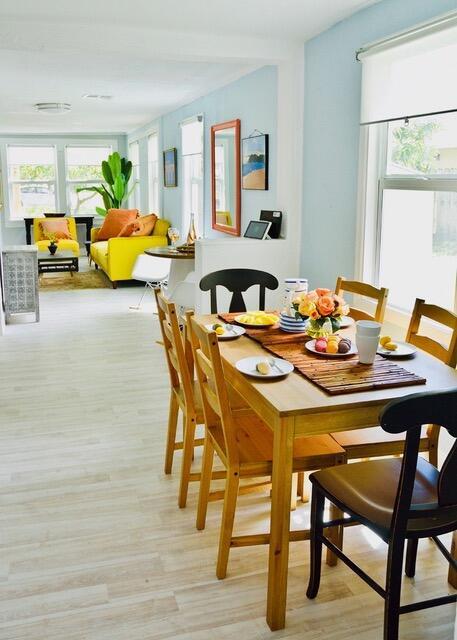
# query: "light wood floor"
[[93, 546]]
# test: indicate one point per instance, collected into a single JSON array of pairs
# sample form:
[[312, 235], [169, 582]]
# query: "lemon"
[[263, 367], [220, 330], [390, 346], [384, 340]]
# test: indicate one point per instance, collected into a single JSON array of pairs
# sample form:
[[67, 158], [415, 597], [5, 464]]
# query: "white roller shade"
[[192, 136], [413, 74]]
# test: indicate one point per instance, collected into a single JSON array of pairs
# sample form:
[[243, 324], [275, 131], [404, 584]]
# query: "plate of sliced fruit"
[[257, 319], [392, 349], [226, 331], [332, 347]]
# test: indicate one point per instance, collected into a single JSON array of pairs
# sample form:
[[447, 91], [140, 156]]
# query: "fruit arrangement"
[[263, 367], [387, 343], [333, 344], [257, 317], [218, 328]]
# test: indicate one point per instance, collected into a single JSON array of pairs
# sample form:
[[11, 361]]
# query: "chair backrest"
[[178, 366], [378, 295], [237, 281], [409, 414], [38, 234], [210, 374], [448, 355]]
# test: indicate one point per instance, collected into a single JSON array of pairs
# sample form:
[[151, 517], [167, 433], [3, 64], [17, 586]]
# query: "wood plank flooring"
[[93, 546]]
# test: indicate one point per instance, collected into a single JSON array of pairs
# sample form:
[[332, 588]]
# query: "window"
[[153, 172], [134, 157], [417, 211], [83, 169], [32, 175], [192, 170]]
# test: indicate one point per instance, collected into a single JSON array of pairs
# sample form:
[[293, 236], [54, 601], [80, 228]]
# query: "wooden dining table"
[[294, 406]]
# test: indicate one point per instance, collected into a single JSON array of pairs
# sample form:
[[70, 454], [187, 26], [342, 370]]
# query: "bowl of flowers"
[[322, 309]]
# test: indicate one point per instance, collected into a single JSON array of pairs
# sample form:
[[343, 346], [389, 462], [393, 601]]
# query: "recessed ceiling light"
[[96, 96], [53, 107]]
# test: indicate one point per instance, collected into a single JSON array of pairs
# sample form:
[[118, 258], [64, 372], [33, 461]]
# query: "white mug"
[[367, 340]]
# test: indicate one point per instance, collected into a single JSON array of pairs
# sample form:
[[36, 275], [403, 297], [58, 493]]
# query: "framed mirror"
[[226, 177]]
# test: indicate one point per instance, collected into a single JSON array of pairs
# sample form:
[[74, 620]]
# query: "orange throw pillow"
[[57, 227], [145, 225], [115, 221], [127, 230]]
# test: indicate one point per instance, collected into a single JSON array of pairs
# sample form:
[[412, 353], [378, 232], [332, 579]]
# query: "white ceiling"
[[152, 56]]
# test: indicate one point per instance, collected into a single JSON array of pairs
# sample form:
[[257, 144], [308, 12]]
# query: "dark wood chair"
[[399, 499], [238, 281]]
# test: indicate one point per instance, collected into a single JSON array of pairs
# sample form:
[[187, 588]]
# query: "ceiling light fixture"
[[53, 107], [96, 96]]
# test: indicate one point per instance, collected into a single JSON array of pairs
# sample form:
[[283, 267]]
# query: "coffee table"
[[60, 261]]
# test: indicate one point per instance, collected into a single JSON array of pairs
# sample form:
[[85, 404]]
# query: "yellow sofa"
[[117, 256], [64, 244]]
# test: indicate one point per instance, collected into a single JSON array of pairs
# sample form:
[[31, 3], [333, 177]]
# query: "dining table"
[[293, 406]]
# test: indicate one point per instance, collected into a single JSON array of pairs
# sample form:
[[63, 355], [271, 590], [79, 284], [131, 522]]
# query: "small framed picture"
[[254, 168], [170, 167]]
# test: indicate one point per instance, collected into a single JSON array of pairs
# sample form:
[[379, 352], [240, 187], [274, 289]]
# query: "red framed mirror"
[[226, 177]]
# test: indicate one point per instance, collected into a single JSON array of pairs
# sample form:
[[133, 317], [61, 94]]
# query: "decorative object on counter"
[[255, 161], [323, 310], [170, 167], [295, 288], [114, 191], [192, 233], [52, 246], [275, 217], [174, 235], [226, 177]]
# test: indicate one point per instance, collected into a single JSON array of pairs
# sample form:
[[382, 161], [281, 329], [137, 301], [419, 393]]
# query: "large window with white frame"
[[153, 172], [83, 169], [192, 171], [31, 180], [134, 157]]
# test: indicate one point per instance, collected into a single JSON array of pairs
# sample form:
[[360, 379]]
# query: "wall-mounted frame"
[[226, 177], [254, 169], [170, 167]]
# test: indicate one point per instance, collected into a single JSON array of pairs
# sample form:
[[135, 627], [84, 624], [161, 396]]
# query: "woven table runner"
[[336, 376]]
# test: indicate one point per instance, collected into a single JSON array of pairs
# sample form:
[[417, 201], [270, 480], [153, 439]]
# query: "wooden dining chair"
[[376, 295], [400, 499], [244, 444], [238, 281], [374, 442]]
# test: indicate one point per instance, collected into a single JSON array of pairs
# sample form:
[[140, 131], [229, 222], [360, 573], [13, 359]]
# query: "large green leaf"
[[101, 212], [107, 173], [95, 189], [114, 161], [119, 187], [127, 170], [107, 198]]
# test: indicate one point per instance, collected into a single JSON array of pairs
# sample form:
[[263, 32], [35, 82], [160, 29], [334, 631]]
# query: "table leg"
[[280, 522], [452, 577]]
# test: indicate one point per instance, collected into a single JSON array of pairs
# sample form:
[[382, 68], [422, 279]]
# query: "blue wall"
[[252, 99], [331, 132]]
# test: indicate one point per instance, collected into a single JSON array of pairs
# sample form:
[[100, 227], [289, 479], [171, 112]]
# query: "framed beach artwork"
[[255, 162], [170, 168]]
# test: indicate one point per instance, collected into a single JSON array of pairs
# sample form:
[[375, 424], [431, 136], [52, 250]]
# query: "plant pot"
[[52, 249]]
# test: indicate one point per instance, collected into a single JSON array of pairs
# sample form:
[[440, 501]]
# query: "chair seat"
[[368, 490], [255, 444], [360, 443]]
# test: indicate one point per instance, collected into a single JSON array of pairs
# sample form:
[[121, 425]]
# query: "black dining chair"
[[399, 499], [238, 281]]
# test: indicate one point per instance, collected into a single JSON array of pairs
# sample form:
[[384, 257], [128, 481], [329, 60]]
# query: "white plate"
[[254, 326], [231, 331], [346, 321], [311, 347], [248, 367], [404, 349]]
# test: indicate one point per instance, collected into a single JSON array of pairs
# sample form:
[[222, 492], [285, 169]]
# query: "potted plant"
[[116, 172], [323, 309]]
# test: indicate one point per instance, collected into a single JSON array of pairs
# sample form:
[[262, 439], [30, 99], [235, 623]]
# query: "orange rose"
[[314, 315], [342, 306], [312, 296], [323, 292], [326, 305]]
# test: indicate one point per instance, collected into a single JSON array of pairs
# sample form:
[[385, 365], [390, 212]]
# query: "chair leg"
[[411, 555], [317, 519], [305, 489], [335, 534], [228, 515], [300, 483], [171, 433], [294, 493], [187, 453], [433, 454], [452, 576], [393, 589], [205, 482]]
